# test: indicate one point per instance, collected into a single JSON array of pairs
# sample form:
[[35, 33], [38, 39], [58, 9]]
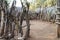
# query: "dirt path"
[[43, 31]]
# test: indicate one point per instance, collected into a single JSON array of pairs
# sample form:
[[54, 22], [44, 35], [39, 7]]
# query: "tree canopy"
[[43, 3], [40, 3]]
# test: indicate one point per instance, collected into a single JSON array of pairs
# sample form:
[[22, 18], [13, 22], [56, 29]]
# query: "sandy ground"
[[43, 31]]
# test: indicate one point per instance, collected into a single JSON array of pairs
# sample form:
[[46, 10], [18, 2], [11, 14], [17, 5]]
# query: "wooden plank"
[[58, 14], [57, 22], [57, 18]]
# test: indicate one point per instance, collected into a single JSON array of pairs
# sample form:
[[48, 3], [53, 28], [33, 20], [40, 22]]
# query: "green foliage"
[[43, 3], [50, 3]]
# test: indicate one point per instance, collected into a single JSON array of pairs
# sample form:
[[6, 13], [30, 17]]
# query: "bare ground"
[[43, 31]]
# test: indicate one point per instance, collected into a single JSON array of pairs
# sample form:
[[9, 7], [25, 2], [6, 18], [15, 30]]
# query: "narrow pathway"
[[43, 31]]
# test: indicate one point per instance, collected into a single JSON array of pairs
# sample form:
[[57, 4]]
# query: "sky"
[[18, 3]]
